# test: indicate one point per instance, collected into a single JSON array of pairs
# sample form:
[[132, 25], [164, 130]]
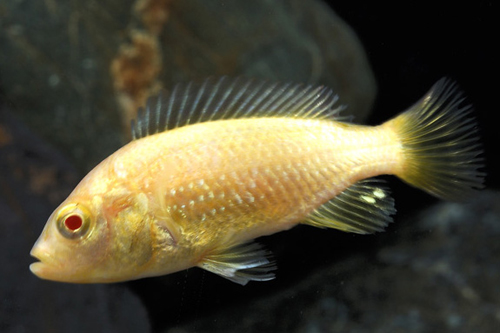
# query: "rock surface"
[[435, 269], [77, 72]]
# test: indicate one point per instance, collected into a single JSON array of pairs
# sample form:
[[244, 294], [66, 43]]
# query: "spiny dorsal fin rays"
[[230, 98], [365, 207], [240, 263]]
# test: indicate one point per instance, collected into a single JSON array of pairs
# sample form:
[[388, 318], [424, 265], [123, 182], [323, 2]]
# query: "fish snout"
[[46, 267]]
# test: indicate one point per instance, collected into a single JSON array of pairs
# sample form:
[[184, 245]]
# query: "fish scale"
[[280, 200], [218, 163]]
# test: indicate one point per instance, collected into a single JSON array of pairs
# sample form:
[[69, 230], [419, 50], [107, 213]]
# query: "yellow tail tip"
[[440, 144]]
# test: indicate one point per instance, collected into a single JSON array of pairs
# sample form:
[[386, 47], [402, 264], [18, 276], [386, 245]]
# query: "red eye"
[[73, 222]]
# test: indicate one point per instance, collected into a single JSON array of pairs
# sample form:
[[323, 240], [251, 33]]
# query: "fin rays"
[[230, 98], [240, 263], [441, 144], [363, 208]]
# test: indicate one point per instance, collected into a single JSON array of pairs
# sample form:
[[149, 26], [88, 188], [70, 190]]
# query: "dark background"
[[410, 45]]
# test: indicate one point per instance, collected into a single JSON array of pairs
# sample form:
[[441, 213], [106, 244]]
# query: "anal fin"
[[240, 263], [363, 208]]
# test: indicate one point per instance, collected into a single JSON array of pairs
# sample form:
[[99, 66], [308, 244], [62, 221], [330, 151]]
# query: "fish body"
[[195, 191]]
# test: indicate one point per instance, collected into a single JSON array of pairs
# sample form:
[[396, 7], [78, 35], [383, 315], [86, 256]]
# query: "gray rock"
[[280, 40], [77, 71]]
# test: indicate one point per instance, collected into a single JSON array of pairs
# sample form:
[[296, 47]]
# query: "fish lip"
[[45, 263], [37, 268]]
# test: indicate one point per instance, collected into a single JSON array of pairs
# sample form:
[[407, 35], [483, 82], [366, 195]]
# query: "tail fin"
[[440, 144]]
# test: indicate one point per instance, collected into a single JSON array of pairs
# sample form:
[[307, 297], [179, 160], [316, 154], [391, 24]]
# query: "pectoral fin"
[[169, 232], [363, 208], [240, 263]]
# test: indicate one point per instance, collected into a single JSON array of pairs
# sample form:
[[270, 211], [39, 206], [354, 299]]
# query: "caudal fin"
[[440, 144]]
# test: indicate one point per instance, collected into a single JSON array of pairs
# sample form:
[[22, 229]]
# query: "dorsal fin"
[[230, 98]]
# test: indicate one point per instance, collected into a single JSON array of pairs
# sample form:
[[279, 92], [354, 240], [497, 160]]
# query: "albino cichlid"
[[215, 164]]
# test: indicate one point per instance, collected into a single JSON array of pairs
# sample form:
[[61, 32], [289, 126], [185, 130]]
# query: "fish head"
[[94, 240], [69, 246]]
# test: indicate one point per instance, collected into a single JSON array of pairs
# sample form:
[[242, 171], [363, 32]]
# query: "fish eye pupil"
[[73, 222]]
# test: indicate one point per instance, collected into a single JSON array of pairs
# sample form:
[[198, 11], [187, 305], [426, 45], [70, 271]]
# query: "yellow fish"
[[215, 164]]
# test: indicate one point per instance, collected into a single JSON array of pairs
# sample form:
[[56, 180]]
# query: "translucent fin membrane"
[[441, 144], [363, 208], [230, 98], [240, 263]]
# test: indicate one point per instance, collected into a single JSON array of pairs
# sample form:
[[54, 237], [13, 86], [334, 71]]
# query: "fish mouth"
[[49, 268], [46, 266], [37, 268]]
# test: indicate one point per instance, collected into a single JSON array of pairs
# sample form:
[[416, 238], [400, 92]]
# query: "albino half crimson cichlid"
[[215, 164]]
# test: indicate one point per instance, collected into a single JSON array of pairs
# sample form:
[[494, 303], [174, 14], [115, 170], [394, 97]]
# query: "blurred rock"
[[54, 70], [303, 41], [34, 179], [439, 273], [77, 71]]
